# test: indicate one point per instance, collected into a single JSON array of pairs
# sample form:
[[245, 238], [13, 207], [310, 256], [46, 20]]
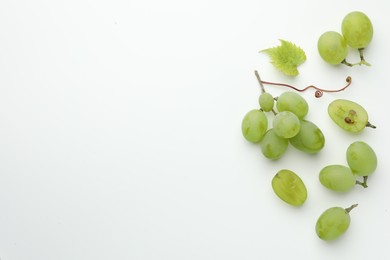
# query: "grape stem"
[[318, 93], [351, 208], [370, 125], [362, 60]]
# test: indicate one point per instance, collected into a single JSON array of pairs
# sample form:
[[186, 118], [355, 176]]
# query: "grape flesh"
[[289, 187], [254, 125], [266, 101], [286, 124], [293, 102], [310, 138], [337, 178], [332, 47], [348, 115], [361, 158], [273, 146], [332, 223], [357, 29]]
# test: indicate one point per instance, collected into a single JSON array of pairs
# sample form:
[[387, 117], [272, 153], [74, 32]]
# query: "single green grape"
[[310, 138], [293, 102], [332, 47], [254, 125], [273, 146], [361, 158], [286, 124], [357, 29], [333, 222], [348, 115], [266, 101], [337, 178], [289, 187]]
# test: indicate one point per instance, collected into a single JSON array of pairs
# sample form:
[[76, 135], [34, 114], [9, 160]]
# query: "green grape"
[[273, 146], [333, 222], [266, 101], [361, 158], [293, 102], [348, 115], [337, 178], [289, 187], [332, 47], [254, 125], [310, 138], [357, 29], [286, 124]]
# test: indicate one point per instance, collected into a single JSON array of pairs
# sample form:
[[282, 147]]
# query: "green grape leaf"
[[286, 57]]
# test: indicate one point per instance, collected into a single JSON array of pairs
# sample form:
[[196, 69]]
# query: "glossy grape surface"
[[286, 124], [332, 47], [273, 146], [332, 223], [337, 178], [361, 158], [293, 102], [310, 138], [289, 187], [266, 101], [254, 125], [357, 29]]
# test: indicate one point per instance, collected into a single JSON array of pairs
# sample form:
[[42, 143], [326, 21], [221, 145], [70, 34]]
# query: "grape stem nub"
[[351, 208]]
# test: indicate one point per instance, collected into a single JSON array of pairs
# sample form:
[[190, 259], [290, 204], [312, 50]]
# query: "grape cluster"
[[356, 32], [288, 125]]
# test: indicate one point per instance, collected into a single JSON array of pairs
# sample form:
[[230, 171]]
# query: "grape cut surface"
[[348, 115], [289, 187]]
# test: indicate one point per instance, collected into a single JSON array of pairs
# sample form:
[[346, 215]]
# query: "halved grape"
[[293, 102], [357, 29], [333, 222], [273, 146], [337, 178], [289, 187], [266, 101], [286, 124], [332, 47], [349, 115], [254, 125], [361, 158], [310, 138]]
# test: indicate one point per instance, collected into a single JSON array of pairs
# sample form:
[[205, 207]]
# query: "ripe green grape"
[[254, 125], [332, 47], [293, 102], [286, 124], [337, 178], [361, 158], [266, 101], [289, 187], [273, 146], [310, 138], [333, 222], [357, 29], [348, 115]]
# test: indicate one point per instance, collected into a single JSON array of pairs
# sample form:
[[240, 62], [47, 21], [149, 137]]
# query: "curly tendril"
[[318, 93]]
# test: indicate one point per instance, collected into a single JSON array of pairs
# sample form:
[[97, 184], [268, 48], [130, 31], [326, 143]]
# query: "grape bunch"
[[288, 125], [356, 32]]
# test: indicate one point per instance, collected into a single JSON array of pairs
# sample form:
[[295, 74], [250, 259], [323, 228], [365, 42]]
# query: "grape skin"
[[332, 223], [310, 138], [266, 101], [332, 47], [357, 29], [361, 158], [293, 102], [273, 146], [254, 125], [337, 178], [286, 124]]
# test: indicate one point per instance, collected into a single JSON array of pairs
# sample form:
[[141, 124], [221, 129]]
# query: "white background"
[[120, 131]]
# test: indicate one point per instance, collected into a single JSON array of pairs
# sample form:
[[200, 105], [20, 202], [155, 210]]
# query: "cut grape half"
[[348, 115]]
